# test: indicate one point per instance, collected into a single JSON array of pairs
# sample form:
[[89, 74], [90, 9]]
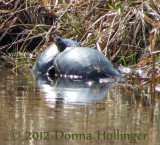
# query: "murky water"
[[73, 112]]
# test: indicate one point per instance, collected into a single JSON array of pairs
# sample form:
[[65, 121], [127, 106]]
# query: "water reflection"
[[71, 90]]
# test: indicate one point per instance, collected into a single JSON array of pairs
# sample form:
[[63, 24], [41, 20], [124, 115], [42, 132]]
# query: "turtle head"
[[62, 44]]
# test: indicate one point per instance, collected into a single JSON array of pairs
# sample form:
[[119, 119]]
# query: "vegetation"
[[127, 32]]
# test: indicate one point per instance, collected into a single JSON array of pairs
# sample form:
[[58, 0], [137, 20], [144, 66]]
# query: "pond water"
[[63, 111]]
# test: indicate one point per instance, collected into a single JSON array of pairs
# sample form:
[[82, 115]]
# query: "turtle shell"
[[45, 60], [85, 62]]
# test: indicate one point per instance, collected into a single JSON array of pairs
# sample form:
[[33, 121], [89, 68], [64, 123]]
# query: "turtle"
[[44, 62], [84, 62]]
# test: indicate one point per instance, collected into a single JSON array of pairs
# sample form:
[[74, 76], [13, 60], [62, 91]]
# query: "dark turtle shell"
[[85, 62], [45, 61]]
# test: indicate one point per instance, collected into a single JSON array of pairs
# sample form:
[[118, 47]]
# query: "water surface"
[[73, 113]]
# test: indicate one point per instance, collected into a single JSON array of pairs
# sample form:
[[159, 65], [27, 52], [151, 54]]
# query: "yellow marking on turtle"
[[97, 68], [99, 71]]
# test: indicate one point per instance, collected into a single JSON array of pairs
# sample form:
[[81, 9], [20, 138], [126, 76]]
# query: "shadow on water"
[[70, 112]]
